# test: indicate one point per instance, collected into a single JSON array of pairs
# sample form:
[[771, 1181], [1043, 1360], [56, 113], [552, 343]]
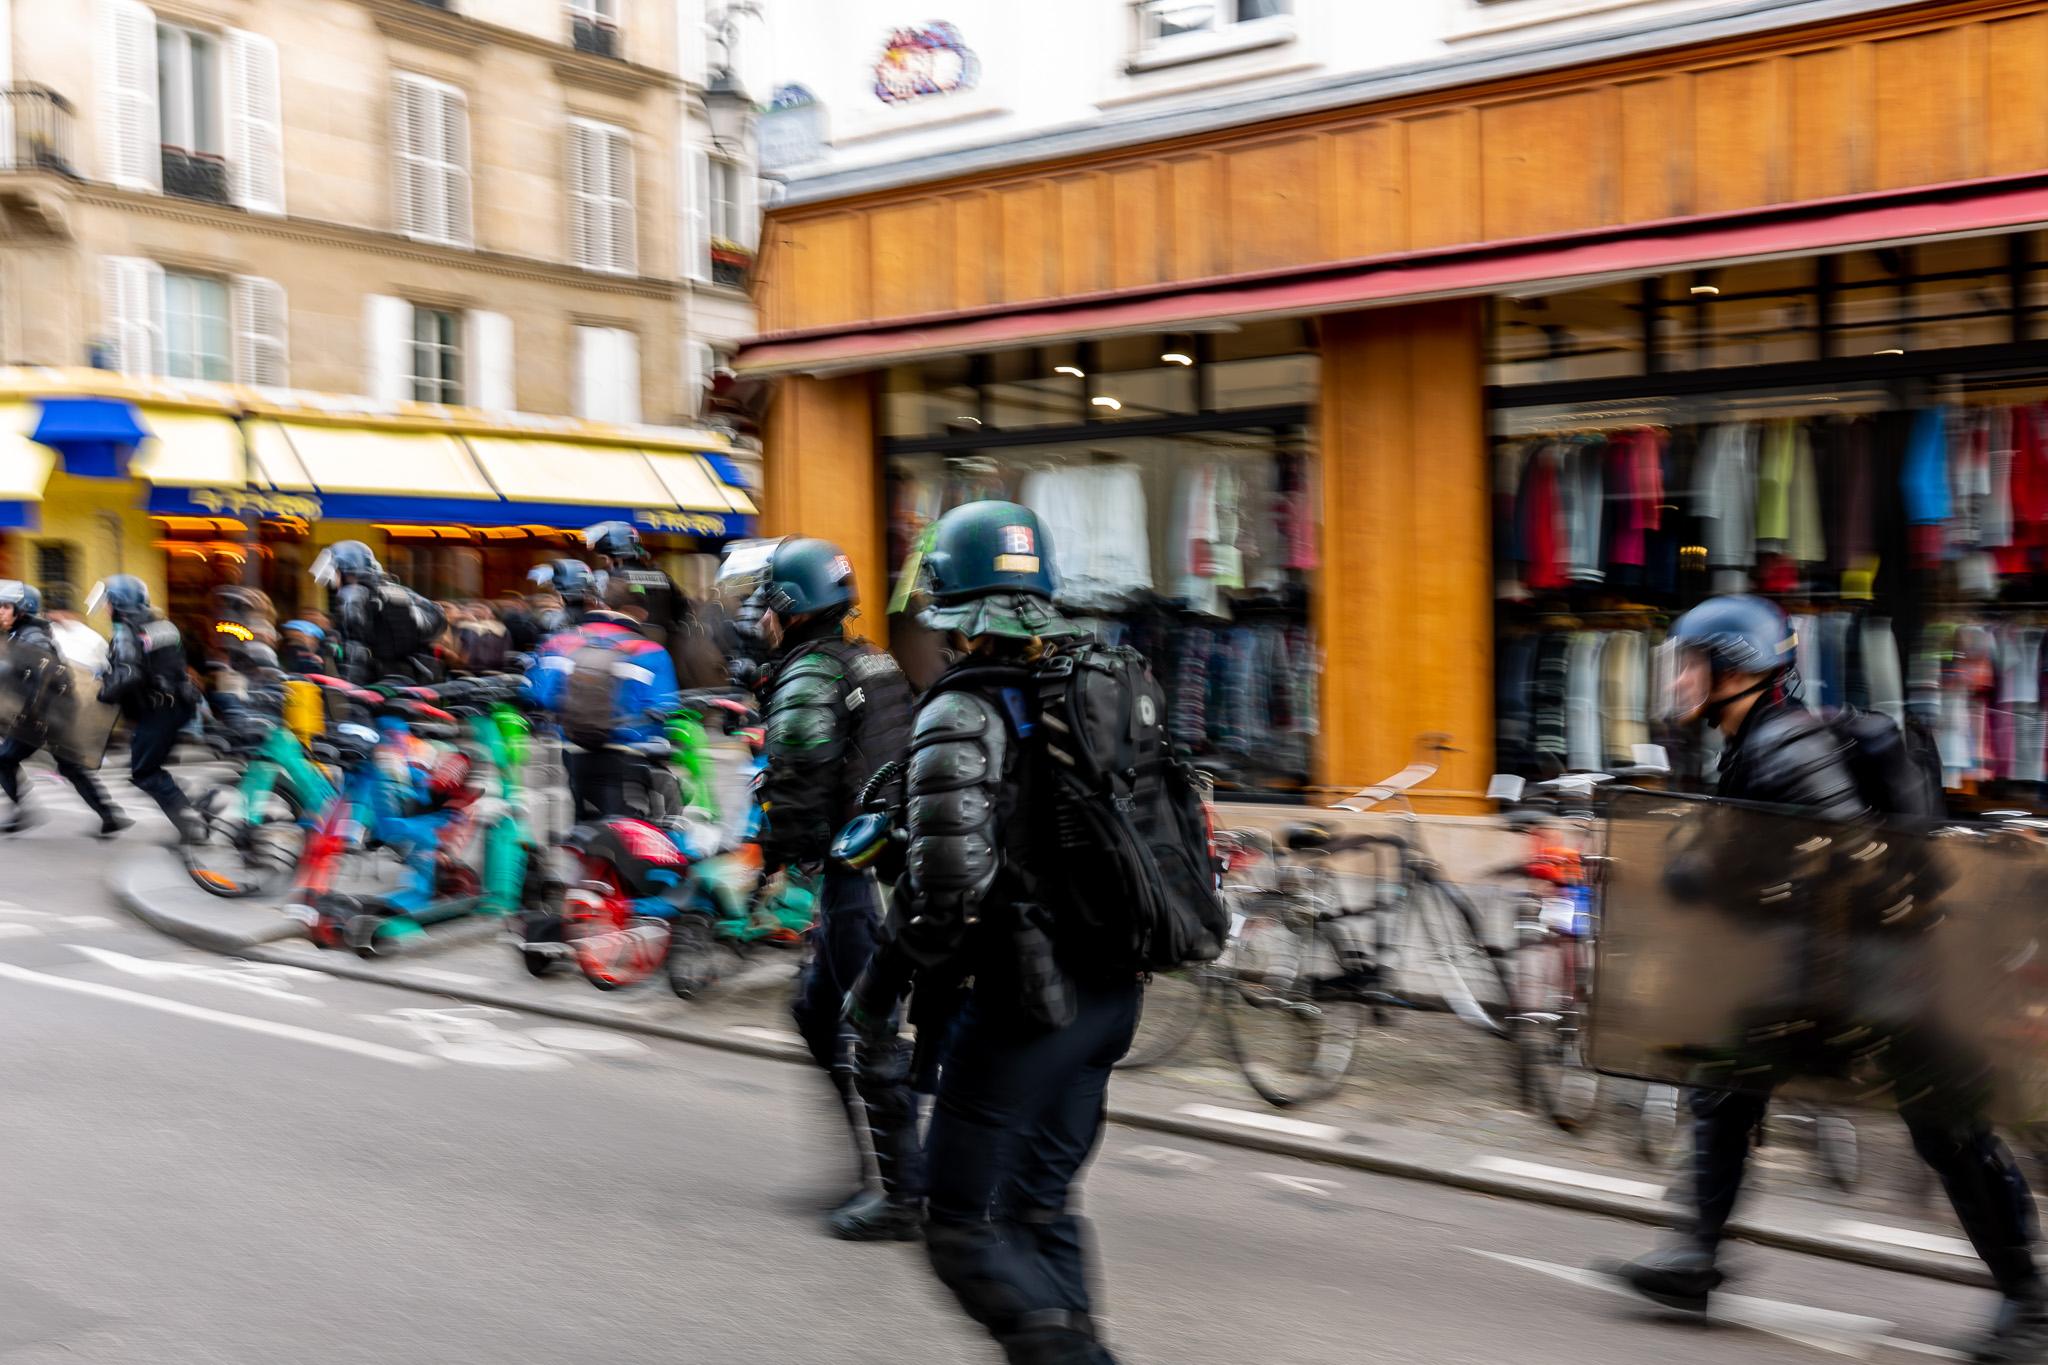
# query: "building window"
[[601, 197], [430, 145], [196, 344], [1165, 20], [607, 374], [188, 90], [436, 356], [594, 27], [725, 202]]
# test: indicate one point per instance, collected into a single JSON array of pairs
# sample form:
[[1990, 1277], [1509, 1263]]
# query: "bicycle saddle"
[[1299, 837]]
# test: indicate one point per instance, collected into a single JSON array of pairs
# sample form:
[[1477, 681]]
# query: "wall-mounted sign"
[[932, 59], [791, 130], [239, 502], [688, 523]]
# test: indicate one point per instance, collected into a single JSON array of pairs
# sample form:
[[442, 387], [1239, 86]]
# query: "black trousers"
[[1984, 1185], [598, 779], [13, 753], [1019, 1113], [154, 737], [849, 912]]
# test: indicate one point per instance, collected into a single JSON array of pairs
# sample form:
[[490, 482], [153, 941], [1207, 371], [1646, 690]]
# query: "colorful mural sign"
[[931, 59]]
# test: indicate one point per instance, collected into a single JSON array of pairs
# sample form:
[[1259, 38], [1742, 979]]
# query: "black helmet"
[[124, 595], [616, 539], [23, 597], [571, 580], [797, 576], [345, 562], [985, 568]]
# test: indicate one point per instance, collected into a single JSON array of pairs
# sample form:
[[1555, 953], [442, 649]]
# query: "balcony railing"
[[593, 35], [195, 175], [36, 134]]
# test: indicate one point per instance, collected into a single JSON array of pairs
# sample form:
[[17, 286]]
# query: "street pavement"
[[219, 1161]]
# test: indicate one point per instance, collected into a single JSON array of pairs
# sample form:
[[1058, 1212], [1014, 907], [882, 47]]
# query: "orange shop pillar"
[[1404, 604], [824, 478]]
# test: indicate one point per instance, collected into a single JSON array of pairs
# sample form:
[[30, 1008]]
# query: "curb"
[[213, 938], [1352, 1154]]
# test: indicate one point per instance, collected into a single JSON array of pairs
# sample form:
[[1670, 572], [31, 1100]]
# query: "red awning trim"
[[1887, 218]]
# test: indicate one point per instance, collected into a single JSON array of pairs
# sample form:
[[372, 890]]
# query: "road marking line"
[[1847, 1334], [1272, 1123], [453, 978], [1173, 1158], [767, 1035], [1558, 1175], [1302, 1184], [335, 1041], [1905, 1237], [20, 931]]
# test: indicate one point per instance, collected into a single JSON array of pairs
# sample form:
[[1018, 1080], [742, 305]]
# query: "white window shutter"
[[262, 339], [587, 246], [626, 387], [490, 362], [696, 214], [131, 136], [255, 132], [592, 344], [700, 360], [387, 348], [619, 201], [749, 207], [411, 189], [455, 167], [132, 313]]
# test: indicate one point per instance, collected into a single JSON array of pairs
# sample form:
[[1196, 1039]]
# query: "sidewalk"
[[1427, 1098]]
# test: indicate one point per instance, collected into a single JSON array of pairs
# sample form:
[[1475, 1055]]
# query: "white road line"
[[334, 1041], [452, 978], [1302, 1184], [1905, 1237], [767, 1035], [20, 931], [1559, 1175], [1272, 1123]]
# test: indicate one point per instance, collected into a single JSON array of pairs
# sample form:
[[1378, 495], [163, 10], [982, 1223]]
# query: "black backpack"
[[1120, 830], [403, 624], [1896, 767]]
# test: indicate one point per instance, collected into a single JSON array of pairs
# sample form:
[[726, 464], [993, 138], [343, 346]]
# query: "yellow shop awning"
[[189, 450], [569, 473], [695, 485], [369, 461]]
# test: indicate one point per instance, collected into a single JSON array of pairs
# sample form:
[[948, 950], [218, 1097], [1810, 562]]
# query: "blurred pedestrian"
[[485, 641], [302, 648], [78, 642], [33, 660], [147, 679]]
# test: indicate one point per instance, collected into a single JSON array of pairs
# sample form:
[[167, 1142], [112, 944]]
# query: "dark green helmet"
[[797, 576], [985, 568]]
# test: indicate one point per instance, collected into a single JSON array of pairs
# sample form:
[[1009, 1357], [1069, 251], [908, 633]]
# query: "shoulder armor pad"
[[953, 716], [815, 664], [799, 689]]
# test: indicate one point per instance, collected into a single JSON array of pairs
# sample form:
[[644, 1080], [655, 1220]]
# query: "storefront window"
[[1262, 365], [1885, 495], [1198, 546], [1583, 334], [1742, 315]]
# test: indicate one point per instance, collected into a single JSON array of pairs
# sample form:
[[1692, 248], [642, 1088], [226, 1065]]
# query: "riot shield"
[[1746, 947], [50, 704]]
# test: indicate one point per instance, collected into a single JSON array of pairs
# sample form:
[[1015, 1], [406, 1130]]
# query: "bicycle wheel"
[[1292, 1040], [1456, 959], [1548, 1021], [250, 847], [1172, 1010]]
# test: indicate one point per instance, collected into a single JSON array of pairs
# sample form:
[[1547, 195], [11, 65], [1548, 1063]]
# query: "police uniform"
[[146, 678]]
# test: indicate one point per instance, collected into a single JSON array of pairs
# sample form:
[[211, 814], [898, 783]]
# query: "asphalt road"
[[213, 1162]]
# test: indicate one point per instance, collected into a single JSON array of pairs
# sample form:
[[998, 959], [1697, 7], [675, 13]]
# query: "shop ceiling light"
[[1706, 289], [1105, 401], [1071, 371], [1177, 358], [1890, 350]]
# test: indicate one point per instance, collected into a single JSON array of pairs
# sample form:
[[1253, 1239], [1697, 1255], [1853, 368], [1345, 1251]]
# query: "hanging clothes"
[[1624, 679], [1725, 490], [1582, 702]]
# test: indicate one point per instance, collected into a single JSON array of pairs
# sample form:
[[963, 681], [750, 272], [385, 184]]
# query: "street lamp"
[[726, 106]]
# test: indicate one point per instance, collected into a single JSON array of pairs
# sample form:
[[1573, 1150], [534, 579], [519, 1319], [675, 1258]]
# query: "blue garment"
[[646, 689], [1924, 478]]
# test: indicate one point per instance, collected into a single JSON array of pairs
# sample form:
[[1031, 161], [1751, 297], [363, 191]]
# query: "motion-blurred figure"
[[1732, 670], [146, 678], [32, 651]]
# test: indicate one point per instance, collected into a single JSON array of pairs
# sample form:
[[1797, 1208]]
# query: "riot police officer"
[[146, 679], [1731, 669], [1020, 1101], [32, 645], [836, 710], [628, 577], [383, 629]]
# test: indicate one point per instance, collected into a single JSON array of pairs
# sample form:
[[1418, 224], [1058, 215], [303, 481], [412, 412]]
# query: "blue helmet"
[[616, 539], [571, 579], [347, 561], [124, 594], [1737, 634]]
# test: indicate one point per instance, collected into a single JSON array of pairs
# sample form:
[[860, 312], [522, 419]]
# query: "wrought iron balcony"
[[195, 175], [37, 132], [595, 36]]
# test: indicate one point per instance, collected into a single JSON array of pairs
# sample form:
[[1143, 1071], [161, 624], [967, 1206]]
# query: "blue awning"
[[20, 516], [728, 472], [273, 504], [94, 435]]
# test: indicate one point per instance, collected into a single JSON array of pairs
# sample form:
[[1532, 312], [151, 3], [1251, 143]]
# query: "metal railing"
[[36, 130], [588, 33]]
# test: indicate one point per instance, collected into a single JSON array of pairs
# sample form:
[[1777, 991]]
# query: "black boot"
[[875, 1218], [1054, 1338], [113, 821], [1679, 1277], [2020, 1331], [23, 816]]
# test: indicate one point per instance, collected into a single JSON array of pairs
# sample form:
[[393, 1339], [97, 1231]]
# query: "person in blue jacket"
[[606, 684]]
